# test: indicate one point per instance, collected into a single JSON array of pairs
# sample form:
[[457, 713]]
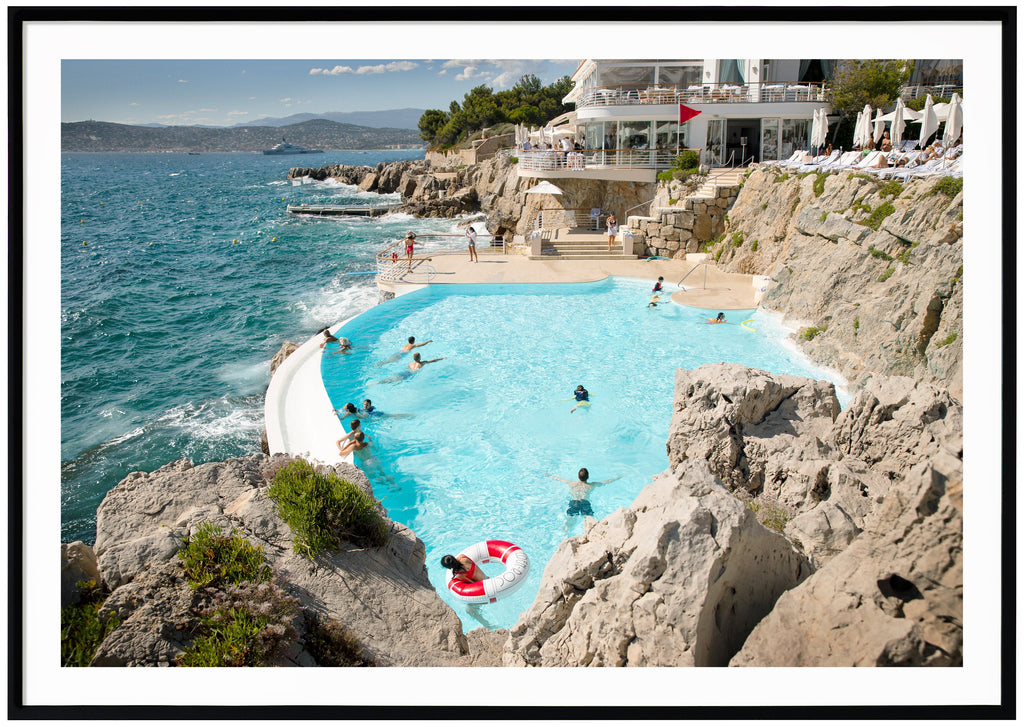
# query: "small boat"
[[285, 148]]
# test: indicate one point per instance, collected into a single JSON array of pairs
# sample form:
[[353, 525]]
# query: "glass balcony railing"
[[702, 93], [553, 160]]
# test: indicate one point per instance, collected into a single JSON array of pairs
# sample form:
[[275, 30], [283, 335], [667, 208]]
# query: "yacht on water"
[[285, 148]]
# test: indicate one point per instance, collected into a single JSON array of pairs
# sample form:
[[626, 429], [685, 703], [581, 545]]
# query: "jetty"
[[340, 210]]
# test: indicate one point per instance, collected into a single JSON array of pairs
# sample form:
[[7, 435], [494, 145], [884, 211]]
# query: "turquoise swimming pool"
[[488, 424]]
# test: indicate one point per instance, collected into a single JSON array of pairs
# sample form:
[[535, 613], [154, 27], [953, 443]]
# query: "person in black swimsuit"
[[580, 489]]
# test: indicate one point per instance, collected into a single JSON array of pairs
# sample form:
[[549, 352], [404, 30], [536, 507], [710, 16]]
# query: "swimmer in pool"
[[415, 365], [720, 318], [344, 345], [462, 568], [580, 490], [354, 427], [582, 397], [654, 301], [657, 285], [405, 349], [369, 410], [349, 410], [359, 441]]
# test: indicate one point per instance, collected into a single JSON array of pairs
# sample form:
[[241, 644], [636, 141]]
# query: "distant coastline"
[[102, 136]]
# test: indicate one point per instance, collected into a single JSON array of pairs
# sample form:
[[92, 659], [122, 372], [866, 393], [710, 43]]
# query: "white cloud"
[[499, 73], [238, 113], [393, 67], [182, 80], [472, 72]]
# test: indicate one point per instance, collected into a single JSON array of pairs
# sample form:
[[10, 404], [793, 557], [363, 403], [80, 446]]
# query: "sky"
[[228, 92]]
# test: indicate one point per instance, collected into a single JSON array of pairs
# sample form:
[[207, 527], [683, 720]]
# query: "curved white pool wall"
[[297, 408]]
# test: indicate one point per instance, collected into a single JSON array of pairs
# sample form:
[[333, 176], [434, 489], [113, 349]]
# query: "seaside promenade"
[[298, 412]]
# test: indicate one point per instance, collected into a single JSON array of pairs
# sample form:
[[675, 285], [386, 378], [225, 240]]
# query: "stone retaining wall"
[[673, 232]]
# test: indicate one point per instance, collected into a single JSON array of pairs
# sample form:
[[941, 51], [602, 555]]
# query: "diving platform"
[[330, 210]]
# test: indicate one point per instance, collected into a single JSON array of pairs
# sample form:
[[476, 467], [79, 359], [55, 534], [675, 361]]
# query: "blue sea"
[[181, 276]]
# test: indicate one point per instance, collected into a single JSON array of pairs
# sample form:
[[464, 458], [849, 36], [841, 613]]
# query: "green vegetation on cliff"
[[528, 102], [81, 628]]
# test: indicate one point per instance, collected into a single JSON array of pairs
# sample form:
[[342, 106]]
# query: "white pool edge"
[[297, 409]]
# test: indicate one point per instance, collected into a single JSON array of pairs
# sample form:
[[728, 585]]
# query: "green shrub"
[[687, 159], [796, 203], [753, 246], [946, 341], [323, 509], [959, 274], [764, 206], [809, 333], [874, 220], [665, 176], [81, 629], [880, 254], [819, 183], [824, 216], [681, 175], [904, 257], [331, 644], [737, 239], [782, 177], [856, 323], [243, 625], [515, 160], [214, 559], [718, 253], [892, 188], [886, 275], [949, 186]]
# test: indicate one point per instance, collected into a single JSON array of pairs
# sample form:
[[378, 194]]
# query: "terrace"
[[705, 93]]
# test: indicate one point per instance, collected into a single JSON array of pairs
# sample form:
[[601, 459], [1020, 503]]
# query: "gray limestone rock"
[[677, 579], [77, 565]]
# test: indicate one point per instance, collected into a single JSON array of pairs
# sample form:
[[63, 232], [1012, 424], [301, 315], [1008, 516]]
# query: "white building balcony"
[[708, 93]]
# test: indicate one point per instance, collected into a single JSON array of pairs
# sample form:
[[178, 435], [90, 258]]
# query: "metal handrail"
[[625, 214], [645, 93], [698, 265]]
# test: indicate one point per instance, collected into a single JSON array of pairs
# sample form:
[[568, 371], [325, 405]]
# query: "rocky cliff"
[[785, 533], [871, 270], [382, 595]]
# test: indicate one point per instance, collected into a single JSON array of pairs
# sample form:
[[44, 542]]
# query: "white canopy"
[[898, 123], [544, 188]]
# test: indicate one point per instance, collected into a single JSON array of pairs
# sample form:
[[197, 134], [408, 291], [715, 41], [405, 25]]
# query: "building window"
[[679, 75], [627, 76], [730, 71], [795, 135], [815, 70], [634, 135]]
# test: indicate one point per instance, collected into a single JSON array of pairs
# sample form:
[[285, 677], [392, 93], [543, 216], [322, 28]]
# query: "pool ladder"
[[698, 265]]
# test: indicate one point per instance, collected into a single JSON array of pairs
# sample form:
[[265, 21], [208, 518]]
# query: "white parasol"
[[954, 121], [543, 188], [879, 126], [929, 122], [822, 127], [858, 129], [898, 123], [865, 128]]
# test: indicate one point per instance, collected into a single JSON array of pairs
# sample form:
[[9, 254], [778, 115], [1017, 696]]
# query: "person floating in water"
[[405, 349], [655, 299], [720, 318], [463, 568], [580, 490], [582, 397]]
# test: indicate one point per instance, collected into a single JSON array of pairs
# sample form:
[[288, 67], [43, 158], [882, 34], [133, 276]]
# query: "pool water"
[[488, 424]]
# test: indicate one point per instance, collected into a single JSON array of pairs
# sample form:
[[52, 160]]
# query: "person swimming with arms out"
[[582, 397], [720, 318], [580, 490], [404, 350], [349, 410], [463, 568], [415, 365]]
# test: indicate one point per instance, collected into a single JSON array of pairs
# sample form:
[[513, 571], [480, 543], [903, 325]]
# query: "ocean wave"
[[216, 419]]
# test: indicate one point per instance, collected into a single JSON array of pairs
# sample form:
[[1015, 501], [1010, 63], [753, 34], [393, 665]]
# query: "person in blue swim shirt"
[[582, 397]]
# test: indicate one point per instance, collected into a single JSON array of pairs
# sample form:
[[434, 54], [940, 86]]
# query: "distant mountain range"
[[102, 136], [393, 119]]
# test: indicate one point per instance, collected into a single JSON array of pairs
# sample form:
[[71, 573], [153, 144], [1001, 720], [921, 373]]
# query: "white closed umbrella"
[[898, 124], [858, 129], [815, 130], [954, 121], [865, 127], [929, 122], [822, 127], [879, 126]]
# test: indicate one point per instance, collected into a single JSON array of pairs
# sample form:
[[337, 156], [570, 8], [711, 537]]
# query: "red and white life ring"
[[489, 590]]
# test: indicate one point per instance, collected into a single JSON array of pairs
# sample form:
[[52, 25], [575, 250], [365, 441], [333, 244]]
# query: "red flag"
[[686, 113]]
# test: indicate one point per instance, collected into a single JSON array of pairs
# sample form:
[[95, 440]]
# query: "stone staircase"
[[719, 178], [571, 244]]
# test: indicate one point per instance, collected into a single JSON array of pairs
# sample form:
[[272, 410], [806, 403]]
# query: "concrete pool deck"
[[297, 408]]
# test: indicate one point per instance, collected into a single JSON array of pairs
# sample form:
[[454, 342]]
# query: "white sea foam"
[[216, 418], [341, 299], [125, 437], [245, 378]]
